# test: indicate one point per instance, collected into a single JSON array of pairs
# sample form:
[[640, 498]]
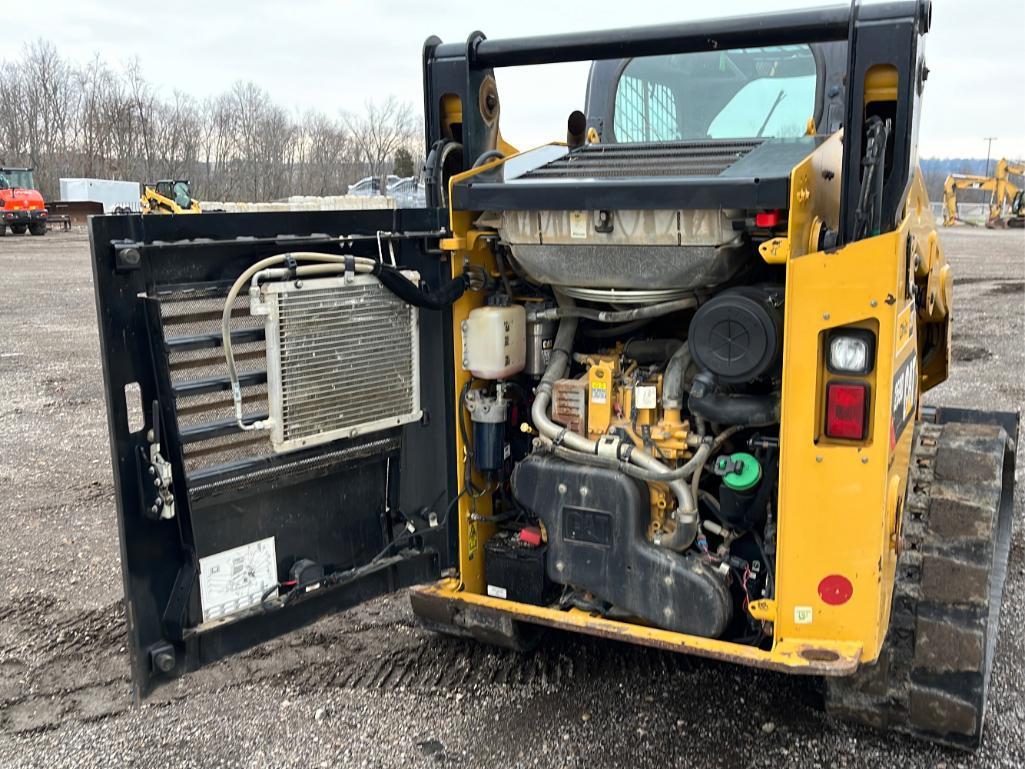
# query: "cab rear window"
[[740, 93]]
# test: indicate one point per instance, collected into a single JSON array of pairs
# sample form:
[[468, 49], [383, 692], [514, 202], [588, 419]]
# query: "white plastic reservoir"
[[495, 341]]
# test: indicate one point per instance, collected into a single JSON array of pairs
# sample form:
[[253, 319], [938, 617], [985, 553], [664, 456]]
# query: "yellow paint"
[[764, 610], [467, 247], [837, 499], [881, 83], [775, 251], [814, 657], [814, 201]]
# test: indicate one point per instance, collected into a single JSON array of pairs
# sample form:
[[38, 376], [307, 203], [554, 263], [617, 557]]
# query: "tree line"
[[67, 119]]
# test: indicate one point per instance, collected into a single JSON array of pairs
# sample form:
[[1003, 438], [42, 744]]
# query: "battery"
[[515, 570]]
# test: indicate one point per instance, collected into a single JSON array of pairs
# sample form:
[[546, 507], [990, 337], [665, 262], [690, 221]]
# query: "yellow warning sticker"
[[905, 327]]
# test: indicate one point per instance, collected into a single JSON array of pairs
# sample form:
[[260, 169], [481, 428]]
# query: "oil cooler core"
[[343, 358]]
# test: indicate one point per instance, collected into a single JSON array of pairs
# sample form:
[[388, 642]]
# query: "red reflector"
[[845, 411], [530, 535], [835, 590], [767, 218]]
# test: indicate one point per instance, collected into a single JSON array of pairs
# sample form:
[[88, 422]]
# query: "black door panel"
[[208, 486]]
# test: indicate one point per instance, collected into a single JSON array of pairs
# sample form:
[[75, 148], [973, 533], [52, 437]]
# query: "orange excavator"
[[1006, 204]]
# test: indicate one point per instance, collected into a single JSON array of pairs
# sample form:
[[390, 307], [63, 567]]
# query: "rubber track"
[[933, 672]]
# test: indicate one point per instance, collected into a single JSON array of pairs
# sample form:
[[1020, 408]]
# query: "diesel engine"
[[623, 411]]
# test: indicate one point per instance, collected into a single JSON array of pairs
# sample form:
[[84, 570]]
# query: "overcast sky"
[[335, 54]]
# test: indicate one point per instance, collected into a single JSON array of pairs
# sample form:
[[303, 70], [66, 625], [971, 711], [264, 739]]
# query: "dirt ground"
[[368, 688]]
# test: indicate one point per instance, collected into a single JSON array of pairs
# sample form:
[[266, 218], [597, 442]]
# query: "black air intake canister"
[[738, 334]]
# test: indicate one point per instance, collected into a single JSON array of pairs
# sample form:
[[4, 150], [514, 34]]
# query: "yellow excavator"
[[1006, 205], [169, 196]]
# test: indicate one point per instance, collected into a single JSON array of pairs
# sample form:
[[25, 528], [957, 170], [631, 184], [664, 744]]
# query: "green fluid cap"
[[745, 473]]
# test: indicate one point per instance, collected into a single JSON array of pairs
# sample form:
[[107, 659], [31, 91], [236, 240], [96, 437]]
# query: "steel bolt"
[[864, 460], [825, 316], [164, 661], [818, 458]]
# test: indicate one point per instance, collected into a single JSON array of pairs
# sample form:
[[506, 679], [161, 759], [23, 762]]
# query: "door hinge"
[[157, 477]]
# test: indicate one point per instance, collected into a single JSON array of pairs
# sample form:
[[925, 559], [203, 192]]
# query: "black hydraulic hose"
[[673, 385], [612, 332], [648, 351], [410, 293], [742, 410], [619, 316], [487, 157]]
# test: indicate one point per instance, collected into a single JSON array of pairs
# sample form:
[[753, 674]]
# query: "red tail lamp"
[[846, 409]]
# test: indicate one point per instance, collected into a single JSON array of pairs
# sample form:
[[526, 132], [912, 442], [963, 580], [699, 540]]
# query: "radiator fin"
[[342, 360]]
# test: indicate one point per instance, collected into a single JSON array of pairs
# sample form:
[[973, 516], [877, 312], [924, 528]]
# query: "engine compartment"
[[627, 432]]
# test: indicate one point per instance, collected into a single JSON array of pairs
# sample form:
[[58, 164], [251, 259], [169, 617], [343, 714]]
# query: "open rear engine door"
[[231, 536]]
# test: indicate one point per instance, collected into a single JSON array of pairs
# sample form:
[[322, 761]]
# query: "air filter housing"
[[342, 359]]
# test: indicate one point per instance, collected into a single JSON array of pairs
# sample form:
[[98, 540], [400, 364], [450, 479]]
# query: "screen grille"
[[342, 359], [676, 158]]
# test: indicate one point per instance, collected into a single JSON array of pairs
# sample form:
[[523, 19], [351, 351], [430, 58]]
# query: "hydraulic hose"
[[648, 351], [360, 264], [558, 366], [720, 439], [741, 410], [325, 264], [487, 157], [570, 310], [613, 332], [673, 383]]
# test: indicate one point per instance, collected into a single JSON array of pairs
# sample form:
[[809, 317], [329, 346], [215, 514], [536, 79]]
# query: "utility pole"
[[989, 145]]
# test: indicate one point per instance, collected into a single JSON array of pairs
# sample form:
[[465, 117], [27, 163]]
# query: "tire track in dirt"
[[78, 669]]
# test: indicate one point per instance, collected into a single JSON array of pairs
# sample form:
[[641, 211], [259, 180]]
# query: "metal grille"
[[191, 320], [595, 161], [342, 360], [645, 111]]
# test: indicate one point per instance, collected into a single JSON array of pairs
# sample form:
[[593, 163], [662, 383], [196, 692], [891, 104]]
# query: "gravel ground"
[[368, 687]]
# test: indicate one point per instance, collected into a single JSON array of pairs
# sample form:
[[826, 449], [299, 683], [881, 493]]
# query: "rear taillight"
[[846, 408]]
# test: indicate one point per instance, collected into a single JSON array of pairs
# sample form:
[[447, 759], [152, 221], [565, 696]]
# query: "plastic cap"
[[746, 472]]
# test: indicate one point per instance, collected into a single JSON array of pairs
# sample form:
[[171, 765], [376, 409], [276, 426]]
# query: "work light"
[[851, 351]]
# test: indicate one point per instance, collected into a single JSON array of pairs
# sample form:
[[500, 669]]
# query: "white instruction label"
[[236, 579], [578, 224], [802, 615], [599, 392], [497, 592], [644, 397]]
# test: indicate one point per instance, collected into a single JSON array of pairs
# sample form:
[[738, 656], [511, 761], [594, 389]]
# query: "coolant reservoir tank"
[[495, 341]]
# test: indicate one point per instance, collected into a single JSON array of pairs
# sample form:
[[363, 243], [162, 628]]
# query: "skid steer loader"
[[659, 382]]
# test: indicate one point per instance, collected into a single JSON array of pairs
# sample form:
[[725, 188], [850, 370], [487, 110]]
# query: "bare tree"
[[93, 120], [379, 132]]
